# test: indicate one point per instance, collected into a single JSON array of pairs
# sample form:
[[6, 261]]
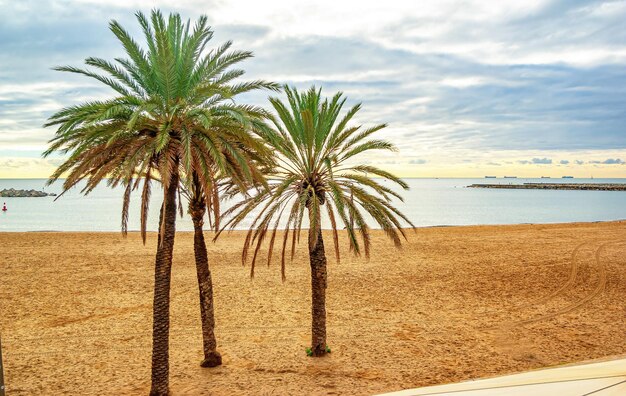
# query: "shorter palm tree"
[[315, 168]]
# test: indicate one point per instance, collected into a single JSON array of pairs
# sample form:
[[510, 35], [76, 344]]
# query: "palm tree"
[[166, 120], [316, 167], [202, 195]]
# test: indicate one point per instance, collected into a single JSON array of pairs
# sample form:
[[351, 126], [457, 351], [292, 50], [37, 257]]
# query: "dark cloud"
[[536, 161], [563, 162], [21, 163], [609, 161], [614, 161], [11, 164]]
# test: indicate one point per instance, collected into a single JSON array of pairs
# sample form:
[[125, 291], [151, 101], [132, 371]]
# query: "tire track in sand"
[[602, 277], [569, 282]]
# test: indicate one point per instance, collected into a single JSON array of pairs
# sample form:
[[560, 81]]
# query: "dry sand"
[[455, 303]]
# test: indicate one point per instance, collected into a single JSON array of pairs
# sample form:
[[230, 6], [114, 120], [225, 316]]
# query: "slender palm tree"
[[164, 122], [317, 166], [205, 198]]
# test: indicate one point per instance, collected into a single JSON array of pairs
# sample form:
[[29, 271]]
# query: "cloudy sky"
[[468, 88]]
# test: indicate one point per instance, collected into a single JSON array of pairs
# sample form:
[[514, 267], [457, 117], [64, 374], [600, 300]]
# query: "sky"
[[468, 88]]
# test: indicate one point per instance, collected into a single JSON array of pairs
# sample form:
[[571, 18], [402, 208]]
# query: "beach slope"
[[455, 303]]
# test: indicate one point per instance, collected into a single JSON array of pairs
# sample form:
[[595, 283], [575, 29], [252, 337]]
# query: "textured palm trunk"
[[317, 258], [161, 305], [212, 358], [159, 226]]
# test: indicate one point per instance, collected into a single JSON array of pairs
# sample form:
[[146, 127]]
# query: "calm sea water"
[[429, 202]]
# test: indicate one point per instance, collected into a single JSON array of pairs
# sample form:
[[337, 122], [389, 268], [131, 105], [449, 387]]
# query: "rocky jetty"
[[13, 193], [557, 186]]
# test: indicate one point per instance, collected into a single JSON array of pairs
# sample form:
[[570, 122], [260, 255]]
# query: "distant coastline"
[[13, 193], [557, 186]]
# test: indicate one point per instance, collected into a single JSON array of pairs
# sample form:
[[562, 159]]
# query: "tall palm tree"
[[165, 121], [317, 166], [205, 197]]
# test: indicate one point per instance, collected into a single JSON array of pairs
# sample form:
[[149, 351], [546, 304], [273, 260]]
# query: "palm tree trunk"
[[161, 305], [317, 258], [159, 226], [212, 358]]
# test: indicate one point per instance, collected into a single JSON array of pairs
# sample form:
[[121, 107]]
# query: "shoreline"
[[328, 229]]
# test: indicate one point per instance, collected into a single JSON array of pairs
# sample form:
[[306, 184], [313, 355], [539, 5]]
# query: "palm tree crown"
[[173, 105], [316, 167]]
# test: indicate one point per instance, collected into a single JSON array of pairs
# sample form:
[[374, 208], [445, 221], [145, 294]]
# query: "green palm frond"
[[316, 148], [173, 111]]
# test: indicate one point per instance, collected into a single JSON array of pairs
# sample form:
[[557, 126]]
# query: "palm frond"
[[173, 113], [312, 142]]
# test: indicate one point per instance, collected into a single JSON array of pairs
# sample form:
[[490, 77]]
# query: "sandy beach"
[[455, 303]]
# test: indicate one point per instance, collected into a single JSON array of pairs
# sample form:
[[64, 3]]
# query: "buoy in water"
[[4, 207]]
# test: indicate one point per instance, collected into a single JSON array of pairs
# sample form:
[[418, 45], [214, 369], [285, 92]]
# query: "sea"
[[429, 202]]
